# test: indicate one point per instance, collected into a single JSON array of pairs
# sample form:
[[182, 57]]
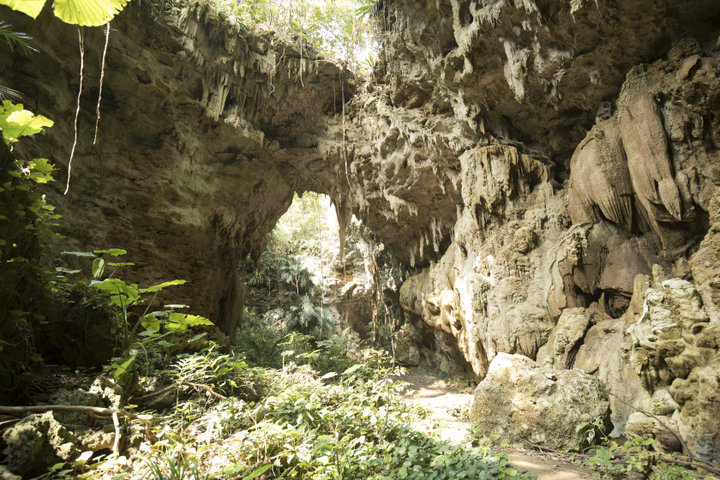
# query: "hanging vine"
[[81, 44], [102, 77]]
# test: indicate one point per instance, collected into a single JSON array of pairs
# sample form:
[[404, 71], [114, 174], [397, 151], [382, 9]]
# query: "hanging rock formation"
[[532, 163], [203, 130]]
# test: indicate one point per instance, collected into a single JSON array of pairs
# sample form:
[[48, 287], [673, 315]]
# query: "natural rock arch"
[[460, 158]]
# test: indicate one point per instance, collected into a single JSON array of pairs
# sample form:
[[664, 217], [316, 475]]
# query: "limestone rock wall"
[[190, 169], [555, 233], [537, 71]]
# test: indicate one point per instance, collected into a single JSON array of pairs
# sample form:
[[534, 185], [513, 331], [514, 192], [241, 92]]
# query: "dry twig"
[[196, 386], [686, 451], [95, 412]]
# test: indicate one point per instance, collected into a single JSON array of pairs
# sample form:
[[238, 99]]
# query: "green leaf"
[[179, 322], [189, 320], [41, 170], [160, 286], [120, 264], [79, 254], [258, 472], [121, 294], [16, 122], [98, 267], [197, 337], [150, 322], [113, 252], [123, 367], [28, 7], [66, 270], [90, 13]]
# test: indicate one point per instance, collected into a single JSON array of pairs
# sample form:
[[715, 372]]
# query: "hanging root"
[[77, 109], [102, 77]]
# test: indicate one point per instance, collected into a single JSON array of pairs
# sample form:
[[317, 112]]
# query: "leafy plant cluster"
[[140, 330], [342, 30], [288, 289], [613, 460], [304, 425], [91, 13], [26, 220]]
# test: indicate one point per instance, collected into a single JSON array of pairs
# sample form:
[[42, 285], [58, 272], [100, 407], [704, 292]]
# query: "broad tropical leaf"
[[28, 7], [41, 170], [122, 368], [98, 267], [179, 322], [160, 286], [150, 322], [17, 122], [120, 264], [79, 254], [90, 13], [121, 294], [113, 252]]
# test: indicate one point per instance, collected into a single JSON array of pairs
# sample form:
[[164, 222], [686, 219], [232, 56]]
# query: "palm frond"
[[7, 93], [16, 39]]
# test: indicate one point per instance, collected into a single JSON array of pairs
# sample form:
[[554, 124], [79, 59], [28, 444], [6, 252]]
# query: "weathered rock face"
[[38, 442], [675, 349], [542, 253], [185, 174], [518, 401], [537, 71]]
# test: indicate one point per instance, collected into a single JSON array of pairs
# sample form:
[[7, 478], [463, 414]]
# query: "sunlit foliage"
[[342, 30]]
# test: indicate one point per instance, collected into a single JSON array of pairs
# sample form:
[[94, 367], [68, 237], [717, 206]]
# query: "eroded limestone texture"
[[519, 401], [204, 128]]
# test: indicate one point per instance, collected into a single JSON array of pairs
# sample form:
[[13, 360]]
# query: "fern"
[[14, 39]]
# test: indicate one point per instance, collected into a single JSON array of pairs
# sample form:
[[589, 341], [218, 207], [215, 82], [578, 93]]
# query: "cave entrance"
[[309, 286]]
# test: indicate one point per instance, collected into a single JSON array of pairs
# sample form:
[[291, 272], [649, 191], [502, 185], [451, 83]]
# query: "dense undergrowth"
[[292, 422]]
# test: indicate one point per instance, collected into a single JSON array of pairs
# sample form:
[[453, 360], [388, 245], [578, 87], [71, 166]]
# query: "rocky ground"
[[448, 403]]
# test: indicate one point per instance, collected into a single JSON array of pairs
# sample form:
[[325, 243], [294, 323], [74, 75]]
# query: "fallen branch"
[[94, 412], [543, 449], [686, 450], [693, 463], [8, 422], [102, 411], [152, 395], [200, 386], [118, 434], [196, 386]]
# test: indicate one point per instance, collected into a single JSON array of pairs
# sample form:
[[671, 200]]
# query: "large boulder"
[[519, 401]]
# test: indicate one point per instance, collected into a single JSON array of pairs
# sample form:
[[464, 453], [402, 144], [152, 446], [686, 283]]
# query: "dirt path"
[[449, 404]]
